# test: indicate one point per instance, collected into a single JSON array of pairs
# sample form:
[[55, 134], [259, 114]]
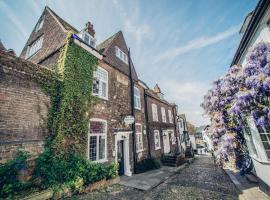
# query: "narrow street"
[[200, 180]]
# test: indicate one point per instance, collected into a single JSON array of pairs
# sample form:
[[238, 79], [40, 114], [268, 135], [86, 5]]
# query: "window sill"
[[267, 162], [139, 151], [137, 108], [100, 161], [158, 148], [104, 98]]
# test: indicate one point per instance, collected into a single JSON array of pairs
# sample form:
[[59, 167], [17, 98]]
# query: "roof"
[[108, 49], [154, 95], [257, 15], [66, 25]]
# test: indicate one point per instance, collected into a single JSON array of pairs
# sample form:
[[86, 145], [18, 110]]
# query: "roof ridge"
[[112, 38], [65, 25]]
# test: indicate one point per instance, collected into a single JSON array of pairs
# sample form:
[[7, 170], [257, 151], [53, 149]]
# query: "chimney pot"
[[89, 28]]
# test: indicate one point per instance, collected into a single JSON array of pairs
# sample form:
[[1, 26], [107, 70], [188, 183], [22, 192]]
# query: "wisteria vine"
[[242, 92]]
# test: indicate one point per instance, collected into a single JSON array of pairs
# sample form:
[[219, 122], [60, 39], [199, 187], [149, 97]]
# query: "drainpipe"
[[175, 128], [146, 122], [132, 113]]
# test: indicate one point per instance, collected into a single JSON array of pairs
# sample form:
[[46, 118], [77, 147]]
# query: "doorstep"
[[150, 179], [248, 190]]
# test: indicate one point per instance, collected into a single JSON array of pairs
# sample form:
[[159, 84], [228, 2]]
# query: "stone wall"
[[23, 107]]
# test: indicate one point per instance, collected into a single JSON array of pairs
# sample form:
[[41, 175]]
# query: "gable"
[[108, 49], [54, 36]]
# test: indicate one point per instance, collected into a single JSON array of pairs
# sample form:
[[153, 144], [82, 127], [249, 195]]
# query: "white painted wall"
[[262, 166]]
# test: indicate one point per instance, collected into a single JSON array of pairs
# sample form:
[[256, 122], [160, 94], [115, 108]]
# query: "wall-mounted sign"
[[129, 119]]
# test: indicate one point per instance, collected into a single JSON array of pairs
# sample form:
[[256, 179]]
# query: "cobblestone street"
[[200, 180]]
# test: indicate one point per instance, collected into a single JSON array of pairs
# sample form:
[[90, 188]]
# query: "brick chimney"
[[89, 28], [157, 89]]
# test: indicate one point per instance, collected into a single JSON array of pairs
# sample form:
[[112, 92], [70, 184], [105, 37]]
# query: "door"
[[166, 142], [120, 156]]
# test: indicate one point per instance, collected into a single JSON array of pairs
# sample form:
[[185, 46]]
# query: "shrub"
[[72, 168], [147, 164], [9, 182]]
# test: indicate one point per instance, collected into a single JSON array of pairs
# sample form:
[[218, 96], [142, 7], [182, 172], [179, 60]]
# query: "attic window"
[[39, 24], [34, 47], [121, 55], [87, 38]]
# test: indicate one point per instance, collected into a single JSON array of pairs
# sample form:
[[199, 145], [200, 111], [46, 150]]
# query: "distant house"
[[256, 29]]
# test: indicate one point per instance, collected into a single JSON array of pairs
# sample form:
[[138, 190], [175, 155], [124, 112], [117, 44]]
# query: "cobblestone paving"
[[200, 180]]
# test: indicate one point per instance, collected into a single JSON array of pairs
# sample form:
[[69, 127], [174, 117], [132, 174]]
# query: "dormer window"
[[121, 55], [34, 47], [39, 24], [88, 39]]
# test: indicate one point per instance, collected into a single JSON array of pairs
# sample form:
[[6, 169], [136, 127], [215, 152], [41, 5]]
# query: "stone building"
[[115, 80]]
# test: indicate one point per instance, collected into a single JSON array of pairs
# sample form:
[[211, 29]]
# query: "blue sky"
[[182, 45]]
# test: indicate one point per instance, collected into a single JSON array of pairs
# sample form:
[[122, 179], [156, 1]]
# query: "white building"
[[256, 29]]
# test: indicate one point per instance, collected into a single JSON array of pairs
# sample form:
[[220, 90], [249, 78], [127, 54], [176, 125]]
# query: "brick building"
[[110, 139]]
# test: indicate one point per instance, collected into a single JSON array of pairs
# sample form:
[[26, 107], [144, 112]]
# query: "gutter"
[[257, 16], [147, 121]]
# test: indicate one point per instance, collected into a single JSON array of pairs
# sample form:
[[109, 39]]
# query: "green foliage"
[[75, 170], [147, 164], [9, 182]]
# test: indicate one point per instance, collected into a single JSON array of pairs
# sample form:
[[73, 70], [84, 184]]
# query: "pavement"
[[148, 180], [199, 180], [248, 190]]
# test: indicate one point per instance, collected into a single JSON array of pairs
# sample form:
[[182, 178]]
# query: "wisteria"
[[242, 92]]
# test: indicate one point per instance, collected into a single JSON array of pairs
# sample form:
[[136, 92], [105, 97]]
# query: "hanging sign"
[[129, 119]]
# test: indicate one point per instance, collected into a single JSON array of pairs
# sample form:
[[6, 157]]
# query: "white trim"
[[106, 133], [163, 114], [154, 112], [157, 131], [125, 137], [139, 133], [89, 49], [107, 84], [137, 96]]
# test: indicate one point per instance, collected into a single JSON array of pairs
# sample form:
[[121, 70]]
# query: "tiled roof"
[[105, 44], [66, 25]]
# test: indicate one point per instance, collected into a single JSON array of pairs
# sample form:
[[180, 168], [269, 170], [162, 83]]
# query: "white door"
[[166, 142]]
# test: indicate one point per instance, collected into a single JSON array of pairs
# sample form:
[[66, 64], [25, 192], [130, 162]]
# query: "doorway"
[[120, 157], [166, 142]]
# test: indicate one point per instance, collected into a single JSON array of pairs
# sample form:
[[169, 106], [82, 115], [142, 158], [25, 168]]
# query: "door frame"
[[125, 137], [168, 146]]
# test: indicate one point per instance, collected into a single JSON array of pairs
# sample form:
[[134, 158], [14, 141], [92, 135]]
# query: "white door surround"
[[166, 141], [125, 137]]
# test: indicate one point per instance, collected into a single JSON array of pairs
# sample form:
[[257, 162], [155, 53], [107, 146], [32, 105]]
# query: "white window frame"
[[97, 135], [137, 98], [39, 24], [157, 133], [154, 112], [163, 114], [91, 39], [139, 134], [121, 55], [261, 155], [37, 44], [170, 116], [99, 94]]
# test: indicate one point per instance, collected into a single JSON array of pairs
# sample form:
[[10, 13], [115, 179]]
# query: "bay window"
[[97, 140]]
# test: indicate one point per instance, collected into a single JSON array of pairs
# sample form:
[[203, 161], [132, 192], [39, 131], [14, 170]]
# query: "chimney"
[[157, 89], [89, 28]]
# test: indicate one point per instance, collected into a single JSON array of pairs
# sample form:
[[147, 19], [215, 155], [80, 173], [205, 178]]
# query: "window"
[[137, 98], [139, 138], [173, 138], [249, 140], [157, 140], [100, 83], [97, 140], [170, 116], [39, 24], [163, 114], [89, 39], [121, 55], [265, 137], [154, 112], [34, 47]]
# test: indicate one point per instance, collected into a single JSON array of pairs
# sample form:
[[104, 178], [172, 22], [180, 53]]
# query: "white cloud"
[[13, 18], [188, 96], [138, 31], [197, 43]]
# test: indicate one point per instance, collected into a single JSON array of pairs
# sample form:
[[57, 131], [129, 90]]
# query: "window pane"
[[97, 127], [138, 128], [101, 147], [104, 89], [266, 145], [93, 148], [268, 154], [263, 137]]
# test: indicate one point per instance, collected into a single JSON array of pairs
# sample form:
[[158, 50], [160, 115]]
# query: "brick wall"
[[23, 108]]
